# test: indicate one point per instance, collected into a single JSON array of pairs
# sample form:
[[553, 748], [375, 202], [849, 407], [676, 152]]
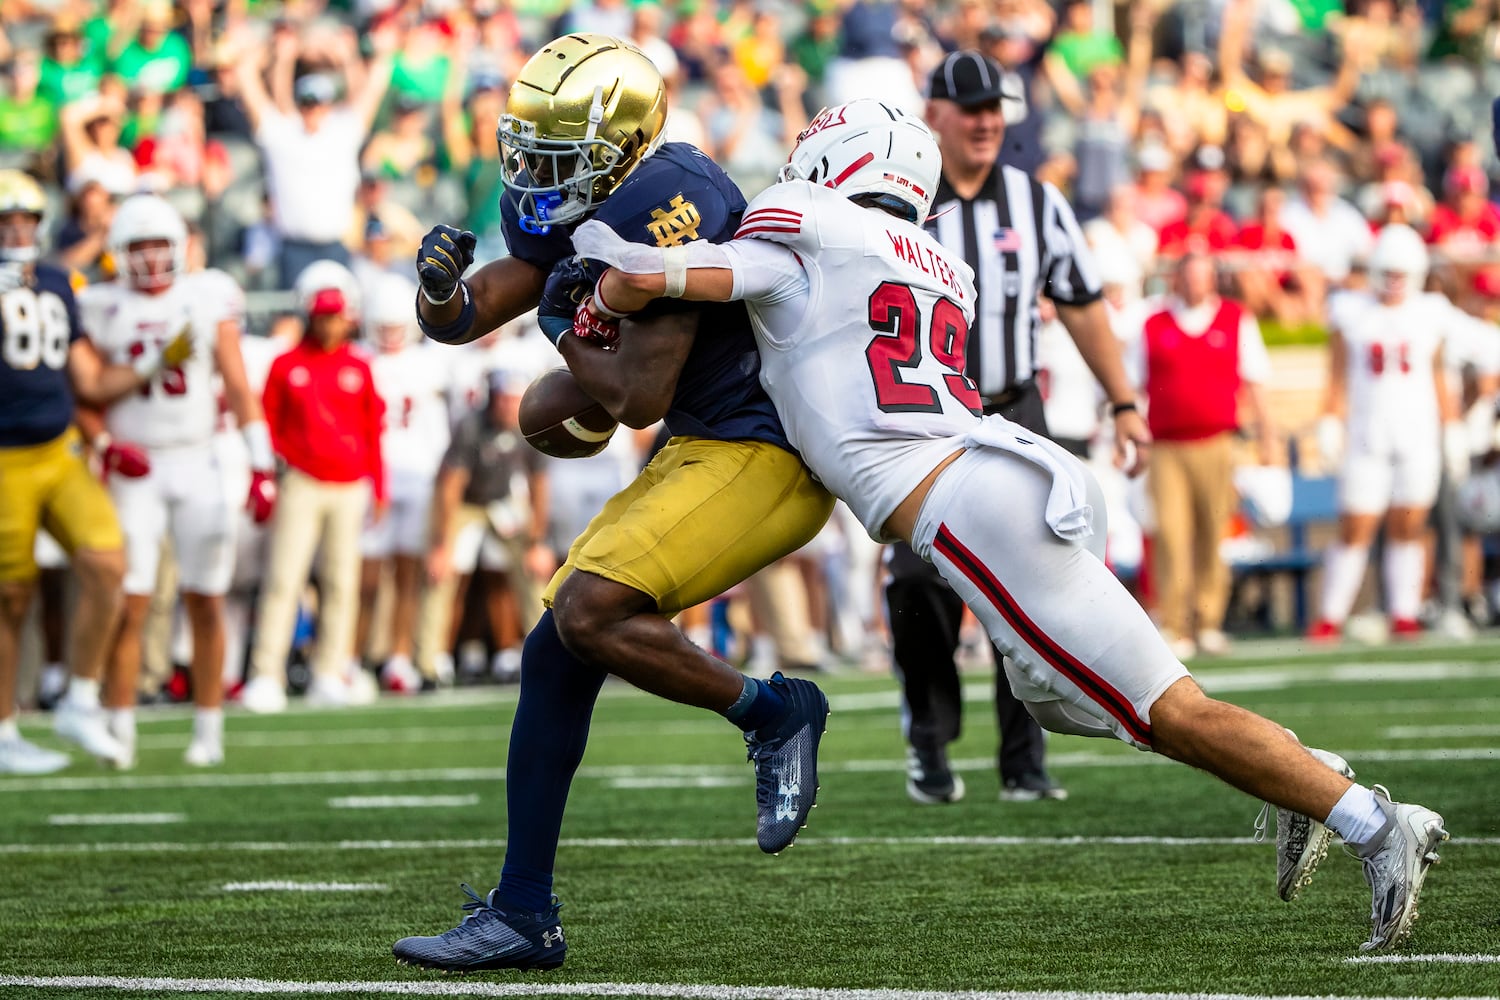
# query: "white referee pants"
[[1081, 653]]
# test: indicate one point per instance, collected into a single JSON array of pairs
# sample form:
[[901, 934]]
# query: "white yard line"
[[627, 772], [615, 843], [401, 801], [277, 886], [533, 987], [334, 737], [683, 781], [1444, 958], [1440, 732], [114, 819]]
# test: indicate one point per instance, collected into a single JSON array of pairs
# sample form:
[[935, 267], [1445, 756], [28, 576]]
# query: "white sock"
[[1343, 574], [9, 731], [208, 724], [83, 692], [236, 625], [1405, 570], [1357, 816]]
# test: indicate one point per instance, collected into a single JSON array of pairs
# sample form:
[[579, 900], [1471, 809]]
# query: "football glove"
[[178, 349], [262, 500], [445, 254], [1330, 437], [124, 459], [572, 279], [595, 327], [1457, 458]]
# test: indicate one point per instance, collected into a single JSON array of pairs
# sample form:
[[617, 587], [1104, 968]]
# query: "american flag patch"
[[1007, 240]]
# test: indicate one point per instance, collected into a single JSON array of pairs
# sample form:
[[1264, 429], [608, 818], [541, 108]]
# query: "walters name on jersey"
[[180, 405], [873, 398]]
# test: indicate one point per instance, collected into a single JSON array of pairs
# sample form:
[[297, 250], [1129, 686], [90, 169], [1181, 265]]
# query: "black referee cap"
[[968, 78]]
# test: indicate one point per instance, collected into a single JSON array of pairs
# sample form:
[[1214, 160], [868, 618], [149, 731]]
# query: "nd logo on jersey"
[[673, 228]]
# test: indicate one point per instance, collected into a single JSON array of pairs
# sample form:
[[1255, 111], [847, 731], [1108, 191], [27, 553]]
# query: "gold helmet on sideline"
[[19, 192], [582, 114]]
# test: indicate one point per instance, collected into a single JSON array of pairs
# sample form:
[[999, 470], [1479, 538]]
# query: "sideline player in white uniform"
[[173, 419], [412, 378], [1388, 409], [861, 320]]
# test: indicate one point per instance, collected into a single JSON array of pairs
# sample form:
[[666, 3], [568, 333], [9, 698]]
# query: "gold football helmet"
[[582, 114], [20, 193]]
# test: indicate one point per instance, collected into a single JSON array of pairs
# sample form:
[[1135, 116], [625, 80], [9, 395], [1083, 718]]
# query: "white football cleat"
[[85, 725], [327, 692], [362, 686], [263, 696], [1396, 861], [21, 756], [1301, 841], [400, 676], [204, 752]]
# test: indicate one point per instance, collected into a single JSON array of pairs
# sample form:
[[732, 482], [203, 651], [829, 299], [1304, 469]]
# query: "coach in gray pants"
[[1021, 239]]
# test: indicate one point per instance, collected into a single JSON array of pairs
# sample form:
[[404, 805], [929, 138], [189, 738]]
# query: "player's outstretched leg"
[[1301, 841], [785, 755], [491, 936]]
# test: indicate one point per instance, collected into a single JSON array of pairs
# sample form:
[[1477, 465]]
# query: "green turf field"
[[1145, 880]]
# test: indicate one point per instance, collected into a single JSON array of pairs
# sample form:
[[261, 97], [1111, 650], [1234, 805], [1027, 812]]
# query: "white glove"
[[1330, 437], [1456, 453], [1480, 422]]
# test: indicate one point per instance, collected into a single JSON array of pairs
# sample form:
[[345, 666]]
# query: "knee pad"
[[1058, 716]]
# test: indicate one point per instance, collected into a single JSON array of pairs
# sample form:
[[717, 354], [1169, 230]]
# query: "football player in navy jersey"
[[44, 363], [727, 495]]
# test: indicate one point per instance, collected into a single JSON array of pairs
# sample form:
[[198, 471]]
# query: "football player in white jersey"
[[1390, 416], [412, 378], [861, 320], [173, 420]]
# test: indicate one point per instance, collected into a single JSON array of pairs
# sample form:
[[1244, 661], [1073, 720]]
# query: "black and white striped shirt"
[[1021, 238]]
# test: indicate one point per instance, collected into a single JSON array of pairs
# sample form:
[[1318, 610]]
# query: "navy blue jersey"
[[675, 196], [38, 325]]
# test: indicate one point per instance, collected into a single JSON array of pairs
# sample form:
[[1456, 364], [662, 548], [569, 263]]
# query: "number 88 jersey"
[[179, 406], [38, 324]]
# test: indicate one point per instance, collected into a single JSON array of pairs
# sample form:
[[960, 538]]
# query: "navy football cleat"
[[785, 755], [490, 937]]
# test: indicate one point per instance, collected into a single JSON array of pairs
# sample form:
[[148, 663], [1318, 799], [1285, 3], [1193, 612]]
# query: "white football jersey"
[[180, 405], [413, 382], [1392, 397], [865, 357]]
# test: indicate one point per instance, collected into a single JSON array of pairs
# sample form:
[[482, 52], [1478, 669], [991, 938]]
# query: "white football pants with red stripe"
[[1081, 653]]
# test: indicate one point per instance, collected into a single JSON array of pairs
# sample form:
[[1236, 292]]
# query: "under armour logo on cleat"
[[787, 795], [552, 937]]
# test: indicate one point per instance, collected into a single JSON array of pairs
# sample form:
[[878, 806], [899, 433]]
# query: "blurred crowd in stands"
[[1277, 134]]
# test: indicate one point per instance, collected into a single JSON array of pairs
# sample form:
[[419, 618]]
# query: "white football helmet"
[[868, 147], [1398, 262], [390, 320], [1479, 501], [328, 276], [141, 218]]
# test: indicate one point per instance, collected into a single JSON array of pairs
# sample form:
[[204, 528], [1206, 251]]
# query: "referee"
[[1021, 239]]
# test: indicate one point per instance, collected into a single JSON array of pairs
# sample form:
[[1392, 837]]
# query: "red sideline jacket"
[[325, 415]]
